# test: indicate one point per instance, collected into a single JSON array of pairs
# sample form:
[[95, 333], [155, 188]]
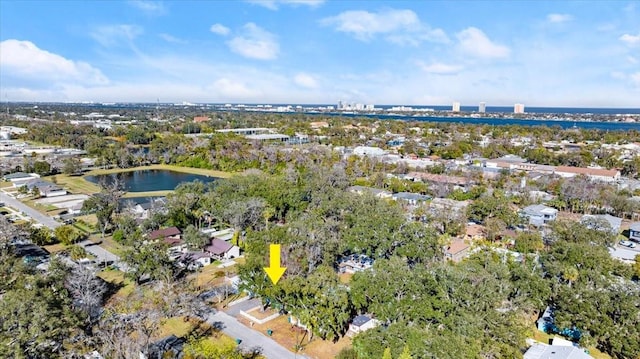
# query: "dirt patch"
[[292, 337]]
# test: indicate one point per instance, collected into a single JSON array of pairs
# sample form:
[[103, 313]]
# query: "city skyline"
[[561, 54]]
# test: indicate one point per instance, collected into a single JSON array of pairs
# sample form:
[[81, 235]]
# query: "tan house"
[[457, 250]]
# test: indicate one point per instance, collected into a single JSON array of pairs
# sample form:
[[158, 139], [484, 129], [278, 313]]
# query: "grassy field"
[[292, 337], [146, 194], [118, 278], [74, 184]]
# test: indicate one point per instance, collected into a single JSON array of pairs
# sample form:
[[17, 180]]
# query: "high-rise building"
[[482, 108], [518, 108], [455, 107], [340, 105]]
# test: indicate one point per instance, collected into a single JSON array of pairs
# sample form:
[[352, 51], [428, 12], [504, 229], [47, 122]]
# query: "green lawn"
[[74, 184], [117, 277], [146, 194]]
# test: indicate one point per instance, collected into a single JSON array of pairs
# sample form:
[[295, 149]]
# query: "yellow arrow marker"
[[274, 271]]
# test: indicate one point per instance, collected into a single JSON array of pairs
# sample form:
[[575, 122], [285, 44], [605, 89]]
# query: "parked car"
[[628, 244]]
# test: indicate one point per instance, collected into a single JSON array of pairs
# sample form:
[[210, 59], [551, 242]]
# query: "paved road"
[[251, 338], [37, 216]]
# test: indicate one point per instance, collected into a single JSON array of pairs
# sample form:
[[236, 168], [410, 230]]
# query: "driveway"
[[250, 338], [624, 253], [101, 254], [234, 310], [37, 216]]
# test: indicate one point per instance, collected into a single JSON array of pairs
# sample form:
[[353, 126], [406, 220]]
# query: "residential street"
[[37, 216], [251, 338]]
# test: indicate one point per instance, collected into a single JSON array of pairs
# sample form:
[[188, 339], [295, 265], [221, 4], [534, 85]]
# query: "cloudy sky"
[[553, 53]]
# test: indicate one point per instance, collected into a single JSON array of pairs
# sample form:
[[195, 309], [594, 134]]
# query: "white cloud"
[[274, 4], [474, 42], [219, 29], [440, 68], [399, 26], [630, 39], [632, 60], [232, 89], [149, 7], [172, 39], [111, 35], [559, 18], [255, 43], [24, 60], [305, 80]]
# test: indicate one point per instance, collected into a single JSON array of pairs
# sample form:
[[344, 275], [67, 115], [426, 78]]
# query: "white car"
[[628, 244]]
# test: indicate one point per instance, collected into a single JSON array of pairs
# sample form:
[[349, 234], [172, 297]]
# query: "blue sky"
[[295, 51]]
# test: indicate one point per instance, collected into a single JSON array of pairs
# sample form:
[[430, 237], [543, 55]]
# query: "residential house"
[[145, 209], [19, 179], [361, 324], [380, 193], [602, 222], [596, 174], [175, 246], [368, 151], [354, 263], [634, 231], [475, 232], [538, 214], [455, 181], [410, 198], [223, 234], [220, 249], [558, 350], [46, 188], [457, 250], [165, 233], [201, 258]]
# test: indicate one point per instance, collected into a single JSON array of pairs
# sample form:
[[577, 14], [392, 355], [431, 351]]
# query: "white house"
[[19, 179], [538, 214], [222, 250], [362, 323], [602, 222], [380, 193], [368, 151]]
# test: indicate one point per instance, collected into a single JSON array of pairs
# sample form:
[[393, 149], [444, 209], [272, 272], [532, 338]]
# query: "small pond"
[[149, 180]]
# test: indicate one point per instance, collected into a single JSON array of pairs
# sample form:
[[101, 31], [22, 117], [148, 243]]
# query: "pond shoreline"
[[80, 184]]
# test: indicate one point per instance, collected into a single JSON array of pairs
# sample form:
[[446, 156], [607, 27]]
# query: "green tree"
[[406, 354], [71, 166], [41, 236], [67, 234], [42, 168], [195, 239]]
